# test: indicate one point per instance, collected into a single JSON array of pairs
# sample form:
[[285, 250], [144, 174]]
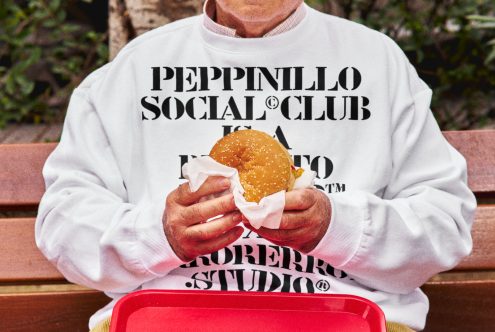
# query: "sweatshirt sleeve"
[[85, 225], [421, 225]]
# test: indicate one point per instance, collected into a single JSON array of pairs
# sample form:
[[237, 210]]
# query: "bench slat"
[[478, 147], [483, 255], [20, 259], [21, 181], [461, 306], [47, 312], [25, 262]]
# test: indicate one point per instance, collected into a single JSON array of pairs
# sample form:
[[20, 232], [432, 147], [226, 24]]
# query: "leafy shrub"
[[485, 22], [43, 56], [449, 52], [44, 53]]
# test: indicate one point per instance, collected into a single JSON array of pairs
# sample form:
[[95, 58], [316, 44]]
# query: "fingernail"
[[237, 217], [224, 183]]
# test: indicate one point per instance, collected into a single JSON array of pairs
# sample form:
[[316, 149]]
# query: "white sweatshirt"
[[343, 99]]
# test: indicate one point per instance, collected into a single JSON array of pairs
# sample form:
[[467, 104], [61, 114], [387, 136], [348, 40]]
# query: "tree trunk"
[[130, 18]]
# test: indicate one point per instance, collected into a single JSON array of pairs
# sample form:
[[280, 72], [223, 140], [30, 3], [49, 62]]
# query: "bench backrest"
[[459, 299]]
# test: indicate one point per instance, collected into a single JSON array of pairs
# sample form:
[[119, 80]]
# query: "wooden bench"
[[34, 296]]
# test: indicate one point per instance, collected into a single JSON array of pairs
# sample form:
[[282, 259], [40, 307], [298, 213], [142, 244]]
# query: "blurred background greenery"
[[48, 46]]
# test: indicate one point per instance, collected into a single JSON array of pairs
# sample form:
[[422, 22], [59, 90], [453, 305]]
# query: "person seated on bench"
[[392, 206]]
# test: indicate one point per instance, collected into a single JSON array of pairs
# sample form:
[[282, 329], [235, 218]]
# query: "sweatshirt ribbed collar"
[[209, 21]]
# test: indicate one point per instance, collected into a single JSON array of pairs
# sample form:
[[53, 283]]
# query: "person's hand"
[[184, 219], [304, 222]]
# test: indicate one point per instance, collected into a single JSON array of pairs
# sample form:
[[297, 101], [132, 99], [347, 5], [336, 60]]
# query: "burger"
[[264, 165]]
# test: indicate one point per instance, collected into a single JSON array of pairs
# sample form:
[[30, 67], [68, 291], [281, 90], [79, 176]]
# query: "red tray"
[[166, 310]]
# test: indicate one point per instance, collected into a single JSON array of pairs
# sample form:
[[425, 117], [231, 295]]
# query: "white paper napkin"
[[266, 213]]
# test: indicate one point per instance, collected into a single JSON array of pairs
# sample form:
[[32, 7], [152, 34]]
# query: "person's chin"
[[253, 14], [258, 3]]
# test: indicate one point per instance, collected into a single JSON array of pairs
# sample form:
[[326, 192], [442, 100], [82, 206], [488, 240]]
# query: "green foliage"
[[43, 56], [485, 22], [453, 55]]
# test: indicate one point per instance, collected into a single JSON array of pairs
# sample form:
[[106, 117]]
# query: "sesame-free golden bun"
[[264, 165]]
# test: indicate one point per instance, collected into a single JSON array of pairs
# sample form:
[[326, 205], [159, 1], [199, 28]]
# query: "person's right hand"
[[184, 219]]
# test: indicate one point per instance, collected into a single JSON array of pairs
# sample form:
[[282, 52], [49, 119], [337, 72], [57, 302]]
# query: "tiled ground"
[[30, 133]]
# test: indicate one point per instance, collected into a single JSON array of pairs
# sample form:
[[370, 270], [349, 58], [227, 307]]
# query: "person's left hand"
[[305, 220]]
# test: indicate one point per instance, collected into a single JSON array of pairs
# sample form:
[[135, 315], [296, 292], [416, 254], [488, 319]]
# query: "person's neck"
[[251, 29]]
